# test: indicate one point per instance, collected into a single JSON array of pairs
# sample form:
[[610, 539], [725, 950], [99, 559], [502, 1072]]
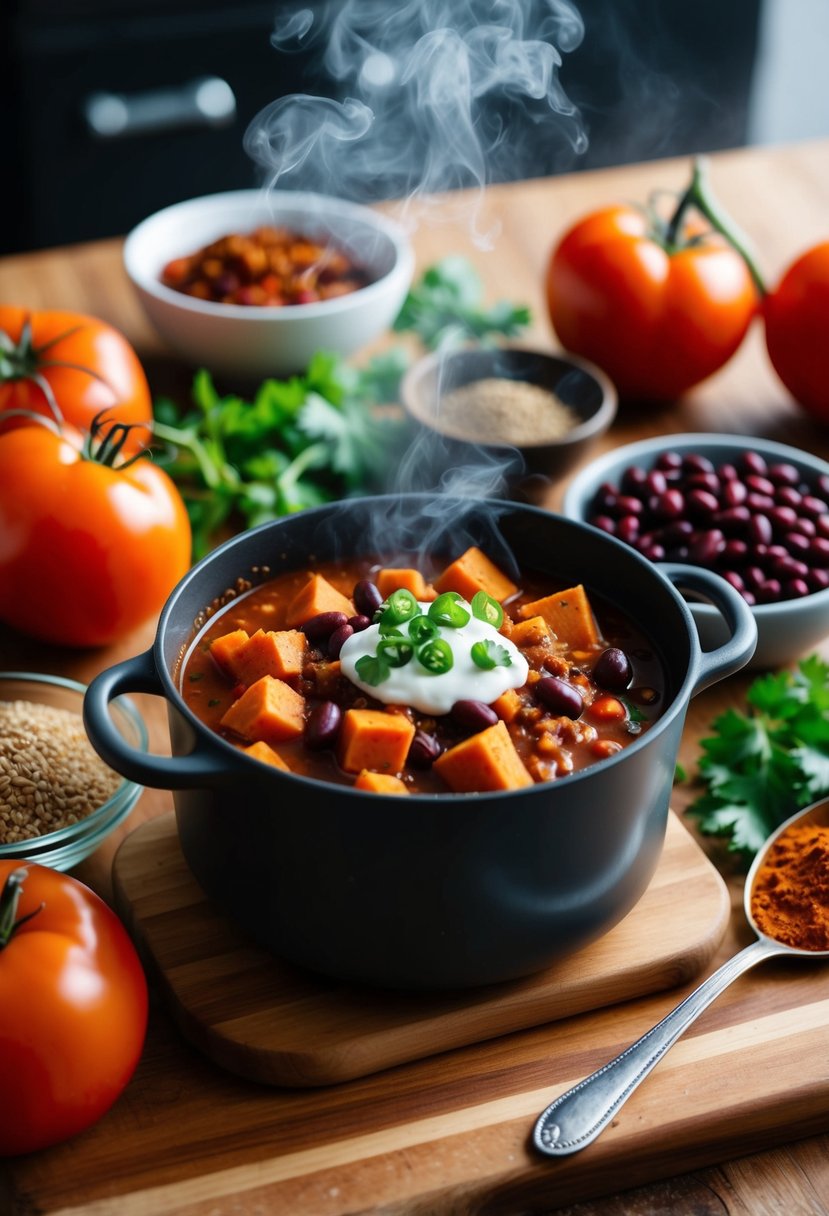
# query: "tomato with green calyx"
[[92, 544], [796, 315], [70, 367], [658, 304], [73, 1007]]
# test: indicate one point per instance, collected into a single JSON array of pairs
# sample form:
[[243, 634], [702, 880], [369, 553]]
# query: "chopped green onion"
[[395, 650], [372, 669], [485, 608], [448, 609], [436, 656], [399, 607], [421, 628], [487, 655]]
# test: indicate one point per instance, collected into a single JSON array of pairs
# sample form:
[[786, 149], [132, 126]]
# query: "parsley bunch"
[[445, 308], [762, 766]]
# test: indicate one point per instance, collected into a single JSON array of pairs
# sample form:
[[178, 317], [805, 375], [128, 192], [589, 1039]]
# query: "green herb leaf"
[[487, 655], [446, 308], [761, 766], [372, 669]]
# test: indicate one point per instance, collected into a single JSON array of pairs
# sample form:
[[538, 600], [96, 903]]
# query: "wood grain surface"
[[261, 1018], [190, 1138]]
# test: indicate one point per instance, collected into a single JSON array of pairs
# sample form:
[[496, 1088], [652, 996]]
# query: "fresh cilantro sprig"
[[446, 308], [763, 765]]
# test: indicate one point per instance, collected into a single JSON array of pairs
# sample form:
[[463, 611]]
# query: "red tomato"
[[85, 365], [87, 551], [73, 1007], [796, 315], [656, 321]]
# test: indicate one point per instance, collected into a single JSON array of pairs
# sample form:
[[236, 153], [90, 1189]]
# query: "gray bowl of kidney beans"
[[754, 511]]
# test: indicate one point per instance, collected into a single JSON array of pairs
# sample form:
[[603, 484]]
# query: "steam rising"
[[433, 91]]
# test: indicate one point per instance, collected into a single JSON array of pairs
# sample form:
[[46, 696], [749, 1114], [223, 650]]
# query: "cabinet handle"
[[206, 102]]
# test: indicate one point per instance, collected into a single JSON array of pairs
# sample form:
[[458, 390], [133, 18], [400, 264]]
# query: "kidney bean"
[[783, 474], [668, 505], [808, 527], [359, 623], [702, 503], [731, 576], [734, 493], [656, 482], [759, 529], [759, 502], [321, 626], [675, 531], [704, 481], [605, 523], [627, 528], [823, 484], [705, 547], [626, 504], [733, 519], [795, 589], [633, 478], [796, 542], [560, 697], [819, 551], [728, 472], [754, 462], [695, 462], [813, 507], [367, 597], [788, 567], [323, 726], [651, 549], [612, 669], [788, 496], [760, 485], [818, 580], [769, 591], [669, 461], [782, 518], [424, 750], [337, 639], [734, 550], [475, 715]]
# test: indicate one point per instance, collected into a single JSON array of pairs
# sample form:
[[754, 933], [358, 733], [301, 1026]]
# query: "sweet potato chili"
[[267, 267], [400, 679]]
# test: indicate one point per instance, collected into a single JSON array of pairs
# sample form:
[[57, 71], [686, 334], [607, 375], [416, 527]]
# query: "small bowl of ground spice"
[[533, 411], [58, 800]]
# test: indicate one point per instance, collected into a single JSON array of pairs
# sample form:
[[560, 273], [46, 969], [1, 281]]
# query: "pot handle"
[[735, 653], [159, 772]]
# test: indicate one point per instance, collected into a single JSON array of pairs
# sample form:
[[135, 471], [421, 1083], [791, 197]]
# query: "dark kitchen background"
[[112, 109]]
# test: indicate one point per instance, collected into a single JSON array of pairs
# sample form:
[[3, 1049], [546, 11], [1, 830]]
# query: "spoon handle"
[[578, 1116]]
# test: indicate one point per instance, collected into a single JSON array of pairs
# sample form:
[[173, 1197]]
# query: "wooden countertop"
[[781, 198]]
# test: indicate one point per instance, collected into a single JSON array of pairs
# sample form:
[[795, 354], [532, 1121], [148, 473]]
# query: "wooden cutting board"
[[265, 1019]]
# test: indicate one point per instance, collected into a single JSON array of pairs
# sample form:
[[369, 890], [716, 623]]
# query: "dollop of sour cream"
[[413, 685]]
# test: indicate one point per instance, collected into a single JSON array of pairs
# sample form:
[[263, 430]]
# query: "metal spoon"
[[576, 1118]]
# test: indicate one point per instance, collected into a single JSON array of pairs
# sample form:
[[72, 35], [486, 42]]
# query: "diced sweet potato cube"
[[507, 705], [569, 615], [262, 751], [316, 596], [374, 739], [270, 710], [225, 650], [278, 653], [380, 783], [390, 579], [473, 571], [532, 632], [483, 762]]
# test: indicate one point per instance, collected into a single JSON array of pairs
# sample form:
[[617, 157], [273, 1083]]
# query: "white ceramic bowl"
[[269, 341], [786, 630]]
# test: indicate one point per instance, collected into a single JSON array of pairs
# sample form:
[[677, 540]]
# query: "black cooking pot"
[[446, 890]]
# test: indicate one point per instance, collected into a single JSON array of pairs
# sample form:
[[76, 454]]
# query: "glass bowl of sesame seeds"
[[58, 800]]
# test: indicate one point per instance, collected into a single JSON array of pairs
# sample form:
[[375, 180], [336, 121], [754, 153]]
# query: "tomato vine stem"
[[9, 899], [699, 196]]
